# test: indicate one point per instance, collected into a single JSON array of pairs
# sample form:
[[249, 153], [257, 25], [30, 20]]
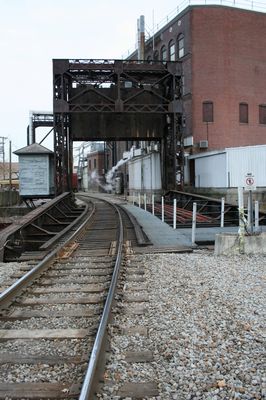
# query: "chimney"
[[141, 38]]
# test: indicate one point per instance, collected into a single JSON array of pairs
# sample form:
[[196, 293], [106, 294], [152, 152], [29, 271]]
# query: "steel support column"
[[62, 146], [115, 100]]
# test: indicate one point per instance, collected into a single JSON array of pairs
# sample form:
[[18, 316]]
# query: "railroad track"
[[35, 235], [54, 318], [129, 371]]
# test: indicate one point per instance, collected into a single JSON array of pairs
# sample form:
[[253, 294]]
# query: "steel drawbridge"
[[117, 100]]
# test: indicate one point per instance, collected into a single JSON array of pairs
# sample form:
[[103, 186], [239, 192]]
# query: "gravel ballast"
[[6, 272], [206, 324]]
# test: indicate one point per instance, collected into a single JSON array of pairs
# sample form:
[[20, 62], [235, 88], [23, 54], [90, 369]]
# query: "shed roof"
[[206, 154], [33, 148]]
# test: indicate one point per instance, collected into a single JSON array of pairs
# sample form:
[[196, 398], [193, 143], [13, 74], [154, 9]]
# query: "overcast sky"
[[33, 32]]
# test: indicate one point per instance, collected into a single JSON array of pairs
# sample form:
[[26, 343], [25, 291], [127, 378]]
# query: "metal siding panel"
[[134, 169], [151, 172], [244, 160], [85, 178], [146, 173], [211, 171], [157, 180]]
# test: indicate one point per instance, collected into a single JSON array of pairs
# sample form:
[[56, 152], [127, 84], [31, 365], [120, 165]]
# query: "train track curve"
[[54, 317]]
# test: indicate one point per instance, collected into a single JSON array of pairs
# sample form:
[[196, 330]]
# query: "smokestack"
[[31, 134], [141, 38]]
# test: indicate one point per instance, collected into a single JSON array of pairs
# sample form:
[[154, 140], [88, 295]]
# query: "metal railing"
[[253, 5]]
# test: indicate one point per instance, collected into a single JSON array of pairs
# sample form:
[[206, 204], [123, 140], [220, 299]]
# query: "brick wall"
[[96, 162], [228, 67]]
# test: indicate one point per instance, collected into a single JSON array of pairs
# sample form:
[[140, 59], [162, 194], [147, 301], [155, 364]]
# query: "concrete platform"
[[229, 244], [164, 236], [159, 233]]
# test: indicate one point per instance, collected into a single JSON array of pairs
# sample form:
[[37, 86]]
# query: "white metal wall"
[[244, 160], [229, 168], [85, 179], [210, 171], [145, 173]]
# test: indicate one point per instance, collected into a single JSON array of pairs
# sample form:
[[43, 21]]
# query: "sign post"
[[250, 182], [250, 186], [241, 230]]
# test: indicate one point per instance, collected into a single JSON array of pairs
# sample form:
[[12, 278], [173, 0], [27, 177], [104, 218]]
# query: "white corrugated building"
[[229, 168], [144, 171]]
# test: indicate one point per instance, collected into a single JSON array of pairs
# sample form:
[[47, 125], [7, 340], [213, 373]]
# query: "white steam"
[[109, 176], [96, 179]]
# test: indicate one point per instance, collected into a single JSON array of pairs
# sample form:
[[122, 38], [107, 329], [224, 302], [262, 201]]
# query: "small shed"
[[36, 171]]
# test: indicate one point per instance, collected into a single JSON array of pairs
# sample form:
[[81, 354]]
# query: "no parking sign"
[[250, 182]]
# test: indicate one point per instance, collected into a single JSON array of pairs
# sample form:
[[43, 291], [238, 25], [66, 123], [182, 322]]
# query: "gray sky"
[[33, 32]]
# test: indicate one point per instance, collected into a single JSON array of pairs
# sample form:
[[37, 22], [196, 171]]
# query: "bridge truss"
[[117, 100]]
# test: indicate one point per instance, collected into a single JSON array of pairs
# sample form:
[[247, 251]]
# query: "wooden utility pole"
[[2, 152]]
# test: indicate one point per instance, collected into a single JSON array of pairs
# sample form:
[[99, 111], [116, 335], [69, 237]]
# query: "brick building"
[[95, 170], [223, 55], [4, 171], [222, 50]]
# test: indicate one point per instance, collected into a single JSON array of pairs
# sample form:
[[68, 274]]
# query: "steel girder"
[[116, 87], [62, 153], [37, 119]]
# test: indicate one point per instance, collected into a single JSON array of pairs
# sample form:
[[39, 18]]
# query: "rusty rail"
[[40, 228], [21, 284]]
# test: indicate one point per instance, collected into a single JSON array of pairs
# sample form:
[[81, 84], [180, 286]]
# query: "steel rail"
[[89, 380], [142, 238], [28, 220], [8, 295]]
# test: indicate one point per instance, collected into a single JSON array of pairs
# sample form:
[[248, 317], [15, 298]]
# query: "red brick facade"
[[96, 162], [224, 63], [228, 68]]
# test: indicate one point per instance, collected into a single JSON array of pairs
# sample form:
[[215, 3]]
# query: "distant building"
[[91, 168], [4, 175], [4, 170], [96, 170]]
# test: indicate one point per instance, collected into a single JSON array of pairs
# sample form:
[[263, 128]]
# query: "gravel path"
[[206, 325]]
